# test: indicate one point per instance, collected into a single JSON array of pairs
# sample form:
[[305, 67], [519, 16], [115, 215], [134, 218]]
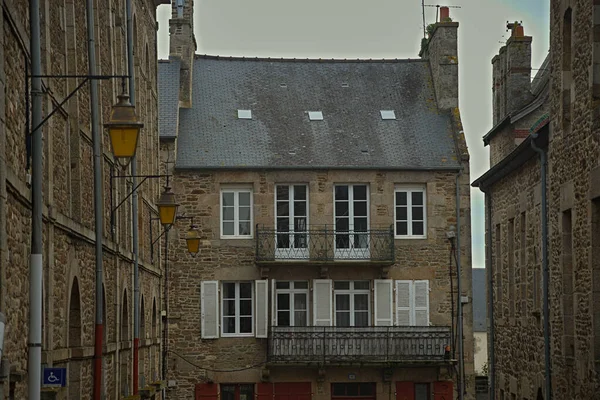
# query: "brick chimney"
[[512, 74], [441, 51], [183, 45]]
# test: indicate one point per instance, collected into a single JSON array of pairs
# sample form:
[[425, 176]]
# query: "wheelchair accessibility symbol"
[[55, 377]]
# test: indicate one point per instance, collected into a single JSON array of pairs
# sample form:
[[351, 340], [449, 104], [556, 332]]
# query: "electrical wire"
[[217, 370]]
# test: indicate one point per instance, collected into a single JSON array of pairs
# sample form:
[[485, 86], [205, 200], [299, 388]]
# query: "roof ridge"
[[316, 60]]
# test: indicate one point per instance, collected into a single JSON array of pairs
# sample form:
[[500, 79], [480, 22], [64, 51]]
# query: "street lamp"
[[124, 130], [192, 239], [167, 207]]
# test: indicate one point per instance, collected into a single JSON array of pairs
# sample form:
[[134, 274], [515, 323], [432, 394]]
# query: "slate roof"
[[479, 300], [352, 133], [168, 97]]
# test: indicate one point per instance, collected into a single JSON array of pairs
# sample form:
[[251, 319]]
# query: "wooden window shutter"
[[403, 303], [209, 309], [273, 303], [322, 302], [207, 391], [384, 315], [264, 391], [421, 303], [443, 390], [405, 391], [262, 308]]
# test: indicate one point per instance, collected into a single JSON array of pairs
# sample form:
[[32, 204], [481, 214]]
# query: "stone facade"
[[68, 236], [573, 194]]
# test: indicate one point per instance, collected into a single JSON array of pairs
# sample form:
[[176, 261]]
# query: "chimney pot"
[[519, 32], [444, 14]]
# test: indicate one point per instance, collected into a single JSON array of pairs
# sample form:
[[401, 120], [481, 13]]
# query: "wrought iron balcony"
[[375, 345], [323, 244]]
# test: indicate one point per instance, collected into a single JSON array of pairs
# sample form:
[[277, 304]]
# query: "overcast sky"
[[376, 29]]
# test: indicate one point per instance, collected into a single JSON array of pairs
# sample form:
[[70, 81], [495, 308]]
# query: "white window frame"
[[352, 252], [291, 292], [301, 252], [352, 292], [409, 221], [236, 217], [237, 310]]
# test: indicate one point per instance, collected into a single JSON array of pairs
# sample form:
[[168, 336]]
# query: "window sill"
[[237, 335], [237, 237], [409, 237]]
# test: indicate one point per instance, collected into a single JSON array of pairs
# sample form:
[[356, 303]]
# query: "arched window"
[[142, 320], [124, 318], [154, 318], [567, 64]]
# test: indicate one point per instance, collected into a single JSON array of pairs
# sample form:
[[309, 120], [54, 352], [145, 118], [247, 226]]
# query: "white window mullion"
[[237, 307]]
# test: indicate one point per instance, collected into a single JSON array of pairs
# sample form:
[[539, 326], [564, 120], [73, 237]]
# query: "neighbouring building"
[[325, 192], [68, 226], [480, 344], [552, 130]]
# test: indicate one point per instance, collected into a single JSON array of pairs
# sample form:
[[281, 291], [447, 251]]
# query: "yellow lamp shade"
[[167, 208], [193, 240], [124, 130]]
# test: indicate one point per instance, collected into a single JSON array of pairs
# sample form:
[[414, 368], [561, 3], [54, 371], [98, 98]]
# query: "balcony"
[[322, 244], [368, 345]]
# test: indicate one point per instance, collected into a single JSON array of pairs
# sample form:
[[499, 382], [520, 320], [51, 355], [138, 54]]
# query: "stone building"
[[324, 191], [559, 137], [68, 226]]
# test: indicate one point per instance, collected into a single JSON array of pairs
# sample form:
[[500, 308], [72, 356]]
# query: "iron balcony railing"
[[322, 243], [338, 345]]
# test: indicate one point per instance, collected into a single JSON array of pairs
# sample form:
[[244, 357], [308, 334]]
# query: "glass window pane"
[[299, 192], [244, 228], [360, 192], [244, 199], [283, 224], [244, 214], [283, 209], [229, 290], [338, 389], [341, 285], [300, 301], [228, 199], [341, 193], [367, 389], [245, 307], [342, 318], [361, 318], [229, 324], [282, 284], [360, 208], [421, 391], [417, 213], [341, 209], [248, 390], [229, 307], [342, 241], [360, 225], [300, 224], [300, 318], [283, 318], [283, 301], [245, 290], [401, 198], [361, 302], [342, 302], [245, 324], [417, 198], [401, 213], [401, 228], [227, 392], [283, 192], [283, 241], [352, 389], [300, 285], [342, 224], [228, 228], [299, 208], [361, 285], [417, 228], [228, 213]]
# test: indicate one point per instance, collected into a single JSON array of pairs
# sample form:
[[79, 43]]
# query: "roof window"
[[345, 84], [244, 114], [388, 114], [315, 115]]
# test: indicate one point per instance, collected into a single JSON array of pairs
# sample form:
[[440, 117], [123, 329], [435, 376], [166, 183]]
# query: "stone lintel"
[[567, 196]]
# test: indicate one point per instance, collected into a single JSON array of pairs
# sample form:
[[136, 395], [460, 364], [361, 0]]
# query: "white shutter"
[[209, 309], [322, 302], [403, 300], [384, 315], [262, 308], [273, 303], [421, 304]]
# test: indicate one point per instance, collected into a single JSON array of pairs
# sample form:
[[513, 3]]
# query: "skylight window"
[[315, 115], [388, 114], [244, 114]]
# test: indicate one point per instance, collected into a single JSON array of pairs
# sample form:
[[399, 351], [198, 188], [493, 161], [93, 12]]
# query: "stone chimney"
[[183, 45], [441, 50], [512, 74]]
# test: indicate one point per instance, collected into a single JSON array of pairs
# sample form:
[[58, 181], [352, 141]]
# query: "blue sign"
[[55, 377]]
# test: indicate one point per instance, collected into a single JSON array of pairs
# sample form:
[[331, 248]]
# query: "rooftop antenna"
[[437, 11]]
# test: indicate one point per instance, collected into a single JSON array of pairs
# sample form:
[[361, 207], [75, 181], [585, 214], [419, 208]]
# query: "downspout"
[[545, 269], [134, 211], [461, 354], [490, 277], [98, 198], [34, 342]]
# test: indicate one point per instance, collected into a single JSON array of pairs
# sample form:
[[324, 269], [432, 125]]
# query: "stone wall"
[[198, 193], [68, 237]]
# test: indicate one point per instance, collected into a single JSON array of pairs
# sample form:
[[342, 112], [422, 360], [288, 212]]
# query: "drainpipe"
[[34, 344], [134, 211], [98, 198], [545, 268], [490, 277], [461, 350]]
